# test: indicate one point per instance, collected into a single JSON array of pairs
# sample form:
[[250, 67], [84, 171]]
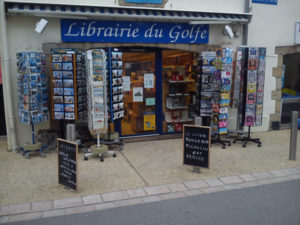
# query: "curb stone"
[[39, 210]]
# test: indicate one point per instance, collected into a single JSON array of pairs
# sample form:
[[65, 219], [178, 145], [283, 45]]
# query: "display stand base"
[[112, 139], [218, 140], [26, 149], [101, 151], [247, 139]]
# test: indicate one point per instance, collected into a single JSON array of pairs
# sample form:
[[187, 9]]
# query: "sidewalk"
[[143, 172]]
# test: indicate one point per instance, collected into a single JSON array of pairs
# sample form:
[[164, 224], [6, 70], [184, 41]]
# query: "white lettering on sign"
[[142, 32]]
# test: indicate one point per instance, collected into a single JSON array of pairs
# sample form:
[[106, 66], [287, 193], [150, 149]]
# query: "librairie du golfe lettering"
[[168, 31]]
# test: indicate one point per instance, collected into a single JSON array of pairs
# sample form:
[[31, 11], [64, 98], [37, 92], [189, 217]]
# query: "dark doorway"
[[2, 113]]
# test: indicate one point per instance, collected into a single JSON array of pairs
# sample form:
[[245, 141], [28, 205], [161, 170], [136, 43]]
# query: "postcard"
[[67, 74], [67, 66], [59, 107], [68, 91], [57, 83], [56, 66], [69, 107], [59, 115], [68, 83], [58, 99], [57, 74], [58, 91], [56, 58], [67, 57], [69, 99], [69, 116]]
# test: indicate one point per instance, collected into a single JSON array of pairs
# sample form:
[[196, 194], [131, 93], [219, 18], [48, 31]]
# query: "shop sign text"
[[132, 32]]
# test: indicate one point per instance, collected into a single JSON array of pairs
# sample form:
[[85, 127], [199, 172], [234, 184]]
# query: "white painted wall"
[[234, 6], [21, 37], [271, 26]]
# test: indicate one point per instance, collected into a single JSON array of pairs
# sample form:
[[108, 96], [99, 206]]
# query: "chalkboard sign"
[[67, 163], [196, 143]]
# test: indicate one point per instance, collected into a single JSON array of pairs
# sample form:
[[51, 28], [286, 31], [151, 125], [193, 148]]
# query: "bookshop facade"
[[152, 61]]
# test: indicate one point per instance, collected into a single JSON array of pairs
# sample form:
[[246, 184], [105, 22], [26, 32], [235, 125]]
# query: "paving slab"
[[231, 179], [67, 203], [277, 173], [26, 216], [290, 171], [214, 182], [80, 209], [173, 195], [91, 199], [149, 199], [177, 187], [128, 202], [114, 196], [106, 205], [212, 189], [42, 206], [195, 184], [262, 175], [194, 192], [135, 193], [156, 190], [51, 213], [247, 177], [15, 209]]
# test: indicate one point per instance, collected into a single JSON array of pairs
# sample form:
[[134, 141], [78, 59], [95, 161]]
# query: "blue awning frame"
[[123, 13]]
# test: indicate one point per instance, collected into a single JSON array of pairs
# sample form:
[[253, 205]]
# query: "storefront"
[[159, 54]]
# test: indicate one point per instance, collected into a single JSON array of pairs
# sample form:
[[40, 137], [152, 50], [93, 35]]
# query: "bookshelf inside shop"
[[178, 90]]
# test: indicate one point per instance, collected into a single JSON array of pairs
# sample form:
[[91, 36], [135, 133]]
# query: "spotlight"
[[228, 31], [40, 26]]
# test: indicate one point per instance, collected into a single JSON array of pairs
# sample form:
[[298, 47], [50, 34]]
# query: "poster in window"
[[149, 80], [138, 93]]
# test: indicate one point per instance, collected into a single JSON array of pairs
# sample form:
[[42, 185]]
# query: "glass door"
[[139, 93]]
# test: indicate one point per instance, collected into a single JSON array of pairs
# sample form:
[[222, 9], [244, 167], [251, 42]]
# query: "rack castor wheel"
[[259, 145], [85, 158], [114, 155], [101, 158], [244, 145]]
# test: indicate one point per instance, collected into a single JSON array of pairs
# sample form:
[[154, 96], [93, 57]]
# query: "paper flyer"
[[138, 93], [126, 83], [149, 80]]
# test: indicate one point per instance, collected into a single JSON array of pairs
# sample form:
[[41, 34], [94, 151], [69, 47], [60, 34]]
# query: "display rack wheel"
[[234, 142], [101, 158], [114, 155], [85, 158], [121, 147], [223, 146], [27, 155], [259, 145], [43, 155], [229, 144], [244, 145]]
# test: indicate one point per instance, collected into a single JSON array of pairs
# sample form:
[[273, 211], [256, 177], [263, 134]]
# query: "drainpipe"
[[8, 102], [245, 26]]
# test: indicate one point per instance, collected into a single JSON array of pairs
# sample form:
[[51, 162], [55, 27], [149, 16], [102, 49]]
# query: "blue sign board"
[[268, 2], [132, 32]]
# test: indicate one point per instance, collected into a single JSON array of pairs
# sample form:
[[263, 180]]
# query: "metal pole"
[[98, 139], [293, 140]]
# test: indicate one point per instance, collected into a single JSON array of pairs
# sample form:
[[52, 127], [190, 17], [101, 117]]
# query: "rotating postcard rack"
[[115, 84], [252, 78], [32, 95], [213, 92], [97, 100], [68, 84]]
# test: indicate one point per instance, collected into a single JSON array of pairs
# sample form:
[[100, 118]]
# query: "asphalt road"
[[272, 204]]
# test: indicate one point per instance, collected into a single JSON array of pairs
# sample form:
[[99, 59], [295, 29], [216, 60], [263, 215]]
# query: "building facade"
[[266, 24]]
